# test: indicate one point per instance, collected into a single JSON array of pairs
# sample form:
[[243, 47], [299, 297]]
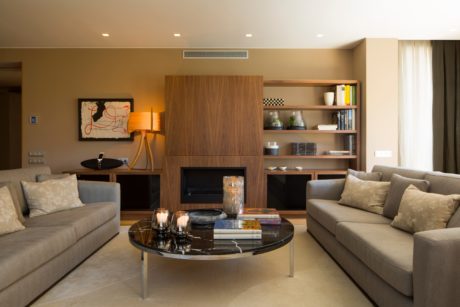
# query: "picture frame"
[[104, 119]]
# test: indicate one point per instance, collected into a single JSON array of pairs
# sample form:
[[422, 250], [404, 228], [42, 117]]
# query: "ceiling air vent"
[[216, 54]]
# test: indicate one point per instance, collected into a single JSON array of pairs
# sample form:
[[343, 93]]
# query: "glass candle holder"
[[233, 194], [180, 224], [161, 220]]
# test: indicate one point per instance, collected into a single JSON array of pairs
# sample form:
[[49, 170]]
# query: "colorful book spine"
[[237, 236], [347, 95]]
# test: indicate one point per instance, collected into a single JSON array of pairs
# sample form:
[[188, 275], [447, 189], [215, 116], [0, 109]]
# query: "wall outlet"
[[124, 160]]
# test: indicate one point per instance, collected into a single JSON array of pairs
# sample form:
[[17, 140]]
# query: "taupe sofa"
[[32, 260], [393, 267]]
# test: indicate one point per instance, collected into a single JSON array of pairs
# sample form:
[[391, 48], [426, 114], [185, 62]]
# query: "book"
[[269, 221], [237, 226], [340, 95], [327, 127], [347, 95], [253, 213], [238, 236]]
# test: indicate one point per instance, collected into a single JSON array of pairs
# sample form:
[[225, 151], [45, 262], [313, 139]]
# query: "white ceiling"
[[222, 23]]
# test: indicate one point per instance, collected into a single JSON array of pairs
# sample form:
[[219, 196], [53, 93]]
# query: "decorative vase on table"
[[233, 195]]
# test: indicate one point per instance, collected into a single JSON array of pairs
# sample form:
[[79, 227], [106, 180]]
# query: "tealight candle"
[[162, 218], [182, 222]]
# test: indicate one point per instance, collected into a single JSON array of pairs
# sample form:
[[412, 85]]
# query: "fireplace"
[[204, 184]]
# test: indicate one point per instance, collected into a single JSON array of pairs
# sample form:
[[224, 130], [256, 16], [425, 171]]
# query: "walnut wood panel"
[[171, 181], [213, 115]]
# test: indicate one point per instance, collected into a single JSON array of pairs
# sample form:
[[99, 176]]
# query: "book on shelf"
[[345, 95], [235, 226], [327, 127], [238, 236], [345, 119]]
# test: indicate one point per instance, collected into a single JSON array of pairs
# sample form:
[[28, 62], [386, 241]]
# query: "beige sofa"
[[393, 267], [34, 259]]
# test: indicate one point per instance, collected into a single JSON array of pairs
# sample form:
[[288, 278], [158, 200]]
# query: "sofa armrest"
[[436, 274], [98, 191], [325, 189]]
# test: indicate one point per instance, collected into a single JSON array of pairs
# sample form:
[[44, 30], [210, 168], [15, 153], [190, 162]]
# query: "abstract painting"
[[104, 119]]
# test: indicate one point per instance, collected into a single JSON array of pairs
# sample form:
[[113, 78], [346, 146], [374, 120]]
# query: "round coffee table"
[[201, 245]]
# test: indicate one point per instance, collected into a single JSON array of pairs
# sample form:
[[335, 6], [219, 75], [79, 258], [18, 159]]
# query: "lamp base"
[[144, 142]]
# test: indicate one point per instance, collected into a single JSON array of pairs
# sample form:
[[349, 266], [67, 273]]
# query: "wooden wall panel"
[[214, 115], [170, 178]]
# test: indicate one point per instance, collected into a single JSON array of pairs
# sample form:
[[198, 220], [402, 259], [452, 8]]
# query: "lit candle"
[[162, 217], [182, 222]]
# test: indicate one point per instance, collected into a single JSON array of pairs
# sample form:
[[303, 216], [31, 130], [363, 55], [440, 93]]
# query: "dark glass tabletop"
[[200, 245]]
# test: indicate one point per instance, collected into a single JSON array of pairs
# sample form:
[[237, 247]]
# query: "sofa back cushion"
[[27, 174], [373, 176], [446, 184], [388, 171], [398, 185]]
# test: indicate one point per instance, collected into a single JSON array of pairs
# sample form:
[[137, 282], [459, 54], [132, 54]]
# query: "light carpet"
[[112, 277]]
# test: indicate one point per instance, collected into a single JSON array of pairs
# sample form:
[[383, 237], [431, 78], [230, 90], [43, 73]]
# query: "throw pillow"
[[44, 177], [398, 185], [52, 195], [15, 199], [373, 176], [420, 211], [9, 221], [363, 194]]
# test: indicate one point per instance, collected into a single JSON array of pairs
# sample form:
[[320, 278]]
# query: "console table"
[[140, 189]]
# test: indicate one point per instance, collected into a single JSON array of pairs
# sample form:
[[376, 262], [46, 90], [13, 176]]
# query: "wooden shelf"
[[308, 82], [349, 157], [310, 131], [311, 107]]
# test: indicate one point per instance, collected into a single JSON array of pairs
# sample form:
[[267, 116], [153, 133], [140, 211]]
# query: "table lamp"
[[144, 123]]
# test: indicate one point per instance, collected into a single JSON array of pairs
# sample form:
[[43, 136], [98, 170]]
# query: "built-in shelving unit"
[[321, 165]]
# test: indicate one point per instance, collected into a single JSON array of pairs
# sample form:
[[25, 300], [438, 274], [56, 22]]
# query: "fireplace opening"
[[204, 184]]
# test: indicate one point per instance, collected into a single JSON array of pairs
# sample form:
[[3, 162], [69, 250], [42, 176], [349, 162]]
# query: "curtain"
[[415, 105], [446, 106]]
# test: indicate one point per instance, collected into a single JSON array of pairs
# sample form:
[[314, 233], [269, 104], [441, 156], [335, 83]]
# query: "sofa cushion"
[[16, 175], [15, 199], [388, 171], [421, 211], [52, 195], [84, 219], [373, 176], [398, 185], [24, 251], [388, 252], [366, 195], [328, 213], [446, 184], [9, 221]]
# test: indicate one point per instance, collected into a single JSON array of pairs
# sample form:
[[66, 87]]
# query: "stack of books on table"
[[237, 229], [263, 215]]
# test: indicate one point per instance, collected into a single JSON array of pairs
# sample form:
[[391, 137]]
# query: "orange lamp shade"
[[147, 121]]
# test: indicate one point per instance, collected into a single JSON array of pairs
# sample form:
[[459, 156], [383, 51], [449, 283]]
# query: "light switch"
[[383, 154]]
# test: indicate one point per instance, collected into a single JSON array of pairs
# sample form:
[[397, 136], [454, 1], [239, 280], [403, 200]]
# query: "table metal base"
[[145, 269]]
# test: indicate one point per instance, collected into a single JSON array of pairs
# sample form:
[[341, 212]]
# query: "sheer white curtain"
[[415, 105]]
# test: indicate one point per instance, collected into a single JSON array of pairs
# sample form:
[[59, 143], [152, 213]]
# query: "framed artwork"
[[102, 119]]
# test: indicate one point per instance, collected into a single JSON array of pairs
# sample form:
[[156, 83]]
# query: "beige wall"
[[53, 80], [376, 62]]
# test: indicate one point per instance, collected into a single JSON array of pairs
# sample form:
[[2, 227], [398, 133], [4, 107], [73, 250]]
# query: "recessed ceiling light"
[[319, 35], [176, 34], [248, 35], [105, 34]]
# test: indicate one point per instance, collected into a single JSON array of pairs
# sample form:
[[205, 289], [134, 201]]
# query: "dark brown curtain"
[[446, 106]]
